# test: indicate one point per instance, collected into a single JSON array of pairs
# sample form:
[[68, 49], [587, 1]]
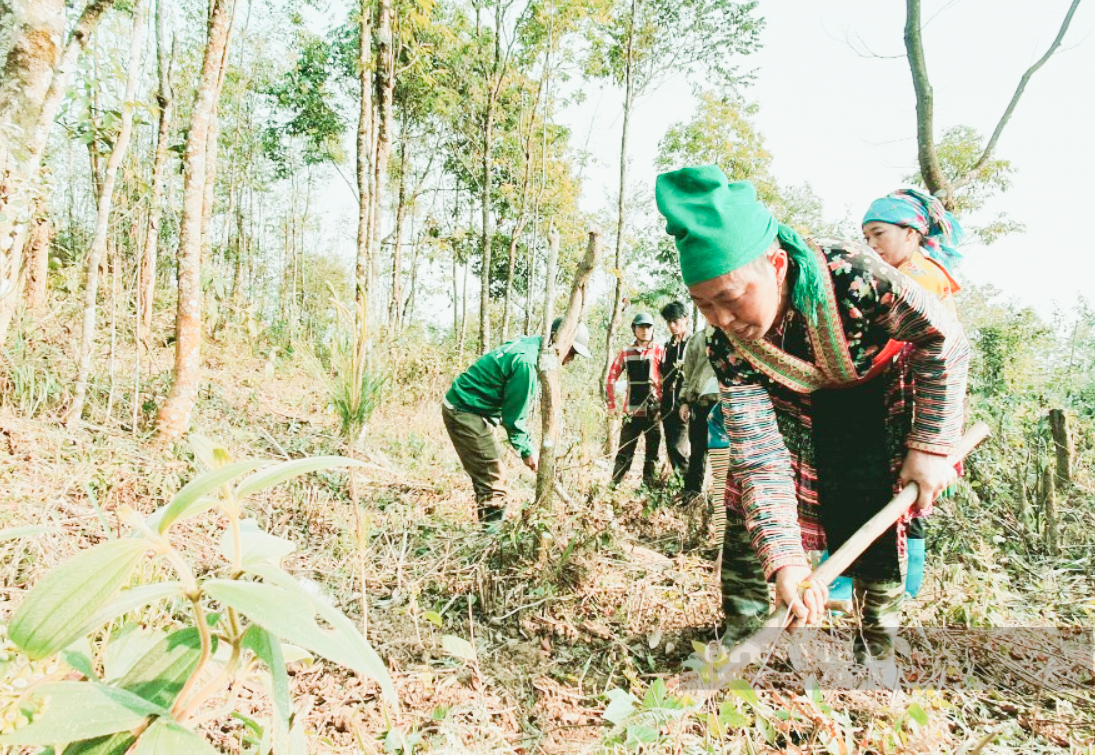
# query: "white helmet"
[[581, 337]]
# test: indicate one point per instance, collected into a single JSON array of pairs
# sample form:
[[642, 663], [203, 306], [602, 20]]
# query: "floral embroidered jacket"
[[770, 392]]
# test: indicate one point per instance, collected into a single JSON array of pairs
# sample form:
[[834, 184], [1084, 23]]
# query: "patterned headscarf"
[[940, 233]]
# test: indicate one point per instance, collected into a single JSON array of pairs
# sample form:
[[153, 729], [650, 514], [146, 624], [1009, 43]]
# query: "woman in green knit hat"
[[817, 407]]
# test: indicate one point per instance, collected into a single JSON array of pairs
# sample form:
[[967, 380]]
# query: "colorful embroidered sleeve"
[[610, 382], [940, 363], [759, 461], [761, 466], [874, 297]]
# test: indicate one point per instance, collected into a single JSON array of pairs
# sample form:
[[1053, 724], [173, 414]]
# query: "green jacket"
[[500, 387]]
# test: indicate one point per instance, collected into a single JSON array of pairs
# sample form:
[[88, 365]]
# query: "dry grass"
[[612, 602]]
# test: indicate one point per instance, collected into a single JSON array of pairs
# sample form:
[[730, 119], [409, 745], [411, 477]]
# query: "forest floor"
[[514, 642]]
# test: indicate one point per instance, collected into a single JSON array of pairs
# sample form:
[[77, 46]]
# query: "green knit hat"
[[719, 226]]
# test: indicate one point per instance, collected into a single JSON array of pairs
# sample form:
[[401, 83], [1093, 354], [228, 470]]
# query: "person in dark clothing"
[[642, 360], [699, 394], [672, 370]]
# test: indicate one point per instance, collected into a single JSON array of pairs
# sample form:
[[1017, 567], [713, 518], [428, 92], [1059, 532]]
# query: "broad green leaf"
[[27, 531], [81, 710], [294, 654], [130, 600], [732, 718], [642, 733], [193, 498], [267, 648], [55, 612], [110, 744], [258, 546], [168, 738], [127, 646], [210, 453], [288, 469], [433, 617], [458, 647], [918, 714], [368, 662], [79, 656], [269, 607], [298, 745], [160, 674], [621, 704], [742, 689]]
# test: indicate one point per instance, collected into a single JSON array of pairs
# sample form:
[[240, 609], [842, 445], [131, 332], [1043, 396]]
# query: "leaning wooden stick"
[[756, 646]]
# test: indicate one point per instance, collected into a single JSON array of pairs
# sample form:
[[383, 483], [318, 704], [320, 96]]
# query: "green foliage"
[[958, 152], [354, 387], [147, 692], [304, 94], [667, 37]]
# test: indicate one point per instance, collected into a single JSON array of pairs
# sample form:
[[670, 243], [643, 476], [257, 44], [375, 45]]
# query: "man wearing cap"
[[642, 361], [498, 389], [820, 415]]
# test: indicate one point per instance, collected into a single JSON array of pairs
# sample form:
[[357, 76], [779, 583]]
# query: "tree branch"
[[991, 146], [926, 155]]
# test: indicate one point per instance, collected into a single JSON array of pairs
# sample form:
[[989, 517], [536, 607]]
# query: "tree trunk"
[[102, 220], [41, 236], [395, 309], [174, 415], [552, 355], [364, 164], [165, 54], [522, 215], [30, 42], [549, 384], [1062, 445], [18, 187], [486, 242], [385, 89], [408, 308], [930, 169], [485, 239], [621, 207]]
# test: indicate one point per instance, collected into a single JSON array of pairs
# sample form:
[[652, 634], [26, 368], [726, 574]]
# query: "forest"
[[233, 516]]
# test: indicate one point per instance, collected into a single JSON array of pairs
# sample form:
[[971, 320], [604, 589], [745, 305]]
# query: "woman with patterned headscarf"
[[913, 232]]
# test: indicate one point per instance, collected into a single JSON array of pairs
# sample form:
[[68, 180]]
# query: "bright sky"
[[845, 123]]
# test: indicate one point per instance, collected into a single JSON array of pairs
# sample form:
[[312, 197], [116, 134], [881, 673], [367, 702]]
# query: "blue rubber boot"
[[914, 575]]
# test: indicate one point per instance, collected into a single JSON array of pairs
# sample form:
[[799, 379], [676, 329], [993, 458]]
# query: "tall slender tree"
[[174, 415], [102, 221], [165, 101]]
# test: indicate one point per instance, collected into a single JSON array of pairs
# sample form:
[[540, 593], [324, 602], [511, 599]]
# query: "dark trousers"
[[634, 428], [676, 438], [697, 439]]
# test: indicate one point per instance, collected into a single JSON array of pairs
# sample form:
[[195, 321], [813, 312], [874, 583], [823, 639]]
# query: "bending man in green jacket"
[[498, 389]]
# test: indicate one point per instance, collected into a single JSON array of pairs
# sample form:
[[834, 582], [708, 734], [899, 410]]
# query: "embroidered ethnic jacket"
[[876, 328]]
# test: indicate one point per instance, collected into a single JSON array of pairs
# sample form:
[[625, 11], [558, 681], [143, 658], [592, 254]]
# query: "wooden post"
[[1049, 491], [1062, 445], [553, 353]]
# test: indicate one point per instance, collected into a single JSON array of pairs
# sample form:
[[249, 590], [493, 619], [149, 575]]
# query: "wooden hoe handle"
[[833, 566]]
